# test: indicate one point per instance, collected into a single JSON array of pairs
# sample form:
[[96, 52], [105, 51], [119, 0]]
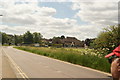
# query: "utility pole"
[[0, 32]]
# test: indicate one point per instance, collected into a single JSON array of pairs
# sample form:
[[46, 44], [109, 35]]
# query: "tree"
[[28, 38], [18, 39], [37, 37], [87, 42], [10, 39], [108, 39], [62, 37], [4, 38], [7, 38]]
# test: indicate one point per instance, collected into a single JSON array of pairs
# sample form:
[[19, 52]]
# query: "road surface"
[[28, 65], [6, 70], [0, 62]]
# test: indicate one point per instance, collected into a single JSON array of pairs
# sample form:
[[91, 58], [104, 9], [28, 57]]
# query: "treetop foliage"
[[108, 39], [26, 38]]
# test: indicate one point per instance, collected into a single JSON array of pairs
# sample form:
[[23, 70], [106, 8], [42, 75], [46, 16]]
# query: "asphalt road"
[[29, 65], [6, 70], [0, 62]]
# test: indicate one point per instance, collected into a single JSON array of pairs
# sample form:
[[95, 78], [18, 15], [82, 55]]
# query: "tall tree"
[[4, 38], [62, 37], [28, 38], [37, 37], [10, 39], [18, 39], [87, 42]]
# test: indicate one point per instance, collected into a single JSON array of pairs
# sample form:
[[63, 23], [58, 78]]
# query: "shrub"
[[108, 39]]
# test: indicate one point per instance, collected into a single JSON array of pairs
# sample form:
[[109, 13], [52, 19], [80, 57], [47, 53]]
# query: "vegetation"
[[84, 57], [37, 37], [18, 39], [27, 38], [108, 39], [6, 38]]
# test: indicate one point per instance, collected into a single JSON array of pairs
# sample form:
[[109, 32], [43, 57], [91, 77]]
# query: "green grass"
[[84, 57], [5, 45]]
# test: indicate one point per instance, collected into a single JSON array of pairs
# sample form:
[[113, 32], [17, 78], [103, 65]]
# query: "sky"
[[80, 19]]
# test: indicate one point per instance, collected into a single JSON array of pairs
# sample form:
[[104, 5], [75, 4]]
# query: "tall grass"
[[84, 57]]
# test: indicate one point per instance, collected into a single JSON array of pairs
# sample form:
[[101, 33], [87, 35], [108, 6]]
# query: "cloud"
[[25, 13], [95, 0], [85, 31], [97, 12], [21, 16]]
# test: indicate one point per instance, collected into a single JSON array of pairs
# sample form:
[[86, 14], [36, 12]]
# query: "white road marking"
[[23, 75]]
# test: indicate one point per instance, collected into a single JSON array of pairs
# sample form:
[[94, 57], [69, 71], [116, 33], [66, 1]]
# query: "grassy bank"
[[85, 57]]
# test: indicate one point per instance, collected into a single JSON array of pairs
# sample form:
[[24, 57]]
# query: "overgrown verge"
[[84, 57]]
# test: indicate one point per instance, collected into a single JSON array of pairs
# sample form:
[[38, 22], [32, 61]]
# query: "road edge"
[[70, 63], [18, 72]]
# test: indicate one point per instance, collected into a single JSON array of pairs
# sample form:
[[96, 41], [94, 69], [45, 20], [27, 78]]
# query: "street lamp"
[[1, 34]]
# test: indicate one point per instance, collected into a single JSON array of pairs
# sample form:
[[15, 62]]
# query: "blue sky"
[[64, 10]]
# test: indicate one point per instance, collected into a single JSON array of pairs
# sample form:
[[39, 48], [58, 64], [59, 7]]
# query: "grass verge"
[[84, 57]]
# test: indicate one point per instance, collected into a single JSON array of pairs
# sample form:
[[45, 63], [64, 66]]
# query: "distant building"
[[71, 42], [36, 44], [46, 42], [68, 42], [62, 42]]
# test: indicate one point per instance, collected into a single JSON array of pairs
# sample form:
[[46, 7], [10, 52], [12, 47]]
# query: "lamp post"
[[1, 34]]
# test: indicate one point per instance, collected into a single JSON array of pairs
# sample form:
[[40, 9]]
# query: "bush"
[[108, 39]]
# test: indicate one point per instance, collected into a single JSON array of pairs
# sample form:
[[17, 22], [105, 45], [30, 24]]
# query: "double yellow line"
[[22, 74]]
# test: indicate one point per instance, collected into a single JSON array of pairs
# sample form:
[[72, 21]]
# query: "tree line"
[[26, 38], [107, 40]]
